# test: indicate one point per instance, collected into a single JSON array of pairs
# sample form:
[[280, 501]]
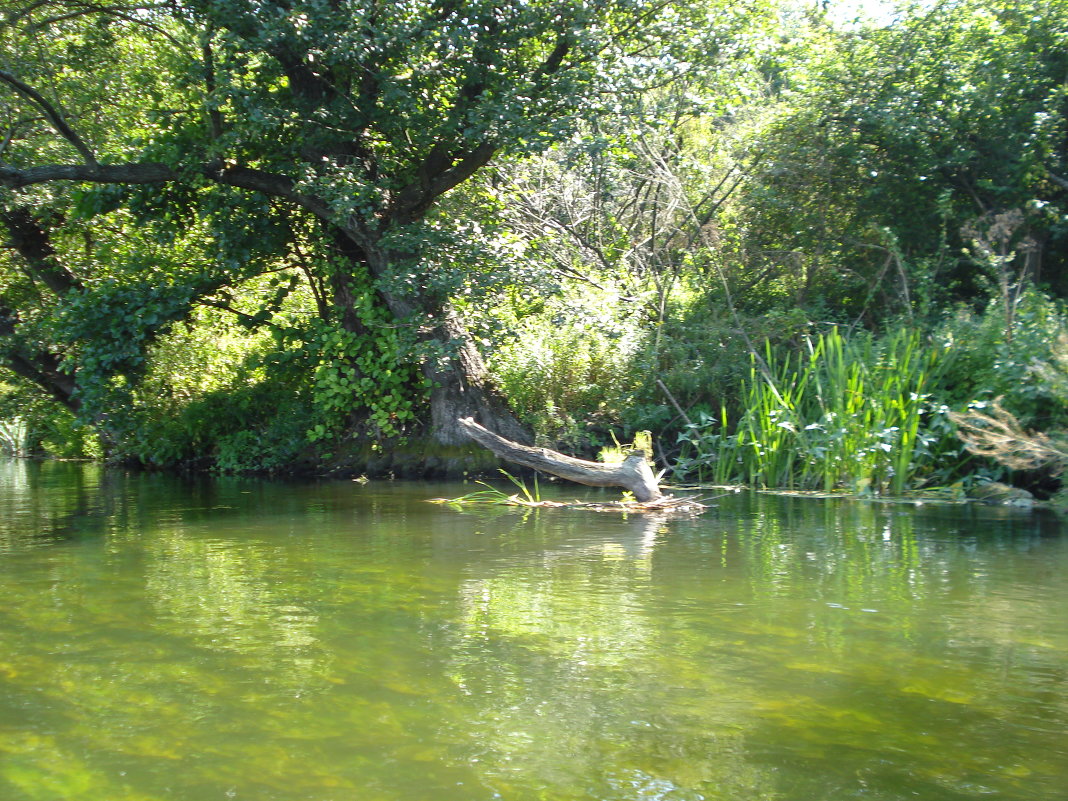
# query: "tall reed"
[[840, 413]]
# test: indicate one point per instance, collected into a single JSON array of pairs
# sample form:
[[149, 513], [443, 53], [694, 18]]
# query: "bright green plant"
[[983, 361], [364, 375], [617, 452], [852, 413], [569, 369], [494, 496]]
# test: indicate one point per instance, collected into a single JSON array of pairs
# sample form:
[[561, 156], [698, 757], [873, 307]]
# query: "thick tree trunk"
[[460, 383], [632, 474], [461, 387]]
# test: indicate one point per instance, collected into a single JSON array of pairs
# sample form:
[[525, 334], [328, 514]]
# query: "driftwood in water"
[[631, 474]]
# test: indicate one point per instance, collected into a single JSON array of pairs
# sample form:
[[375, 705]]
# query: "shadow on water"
[[164, 638]]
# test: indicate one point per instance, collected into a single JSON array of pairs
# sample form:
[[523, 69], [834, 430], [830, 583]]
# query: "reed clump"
[[843, 413]]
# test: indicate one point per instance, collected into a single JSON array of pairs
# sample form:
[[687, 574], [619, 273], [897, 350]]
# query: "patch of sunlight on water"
[[164, 639]]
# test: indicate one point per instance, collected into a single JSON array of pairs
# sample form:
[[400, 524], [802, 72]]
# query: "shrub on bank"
[[875, 414]]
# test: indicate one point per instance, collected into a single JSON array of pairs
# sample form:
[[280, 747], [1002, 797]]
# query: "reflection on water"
[[167, 639]]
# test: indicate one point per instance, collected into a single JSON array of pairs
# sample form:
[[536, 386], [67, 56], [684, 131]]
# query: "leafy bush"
[[987, 360], [33, 424], [570, 370], [370, 374]]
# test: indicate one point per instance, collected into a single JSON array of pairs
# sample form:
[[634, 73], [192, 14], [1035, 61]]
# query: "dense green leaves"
[[255, 138], [312, 206], [890, 139]]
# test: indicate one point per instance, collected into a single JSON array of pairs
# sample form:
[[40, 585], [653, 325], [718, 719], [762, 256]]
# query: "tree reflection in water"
[[194, 638]]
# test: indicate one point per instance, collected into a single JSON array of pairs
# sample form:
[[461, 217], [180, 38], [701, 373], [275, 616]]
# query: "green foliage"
[[569, 370], [255, 138], [111, 326], [874, 414], [251, 393], [494, 496], [853, 413], [64, 436], [703, 356], [729, 190], [369, 374], [985, 360], [257, 427], [889, 139], [36, 425], [616, 453], [212, 394]]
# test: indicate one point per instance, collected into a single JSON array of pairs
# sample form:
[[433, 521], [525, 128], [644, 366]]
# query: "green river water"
[[164, 638]]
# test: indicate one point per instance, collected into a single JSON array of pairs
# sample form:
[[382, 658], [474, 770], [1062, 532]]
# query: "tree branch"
[[632, 474], [42, 368], [418, 196], [14, 129], [154, 173], [148, 173], [31, 242], [53, 115], [214, 115], [1061, 182]]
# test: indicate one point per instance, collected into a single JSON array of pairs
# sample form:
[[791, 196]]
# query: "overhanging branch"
[[31, 242], [154, 173], [52, 113], [148, 173]]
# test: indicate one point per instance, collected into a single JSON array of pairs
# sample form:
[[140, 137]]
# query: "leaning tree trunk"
[[460, 383], [461, 388], [633, 473]]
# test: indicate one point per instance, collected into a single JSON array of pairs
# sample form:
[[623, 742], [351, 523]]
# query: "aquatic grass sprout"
[[843, 413], [494, 496]]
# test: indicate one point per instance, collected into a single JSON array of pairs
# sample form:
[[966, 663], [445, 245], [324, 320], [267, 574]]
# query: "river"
[[171, 639]]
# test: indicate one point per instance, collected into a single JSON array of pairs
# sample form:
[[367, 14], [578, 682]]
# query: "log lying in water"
[[631, 474]]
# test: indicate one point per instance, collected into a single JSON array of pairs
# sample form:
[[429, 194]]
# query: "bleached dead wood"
[[632, 474]]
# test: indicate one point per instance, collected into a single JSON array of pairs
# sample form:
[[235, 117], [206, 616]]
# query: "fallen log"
[[632, 474]]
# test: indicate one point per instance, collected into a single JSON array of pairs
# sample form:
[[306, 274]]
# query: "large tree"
[[890, 138], [346, 118]]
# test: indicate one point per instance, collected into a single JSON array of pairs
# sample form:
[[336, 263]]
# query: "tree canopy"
[[234, 222], [243, 132]]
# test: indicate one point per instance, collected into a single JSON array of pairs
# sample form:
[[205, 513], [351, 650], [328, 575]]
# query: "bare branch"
[[632, 474], [8, 137], [998, 435]]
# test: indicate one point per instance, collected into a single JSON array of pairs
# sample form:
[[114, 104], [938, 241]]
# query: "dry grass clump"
[[994, 432]]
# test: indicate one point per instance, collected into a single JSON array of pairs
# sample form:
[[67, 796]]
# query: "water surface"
[[193, 639]]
